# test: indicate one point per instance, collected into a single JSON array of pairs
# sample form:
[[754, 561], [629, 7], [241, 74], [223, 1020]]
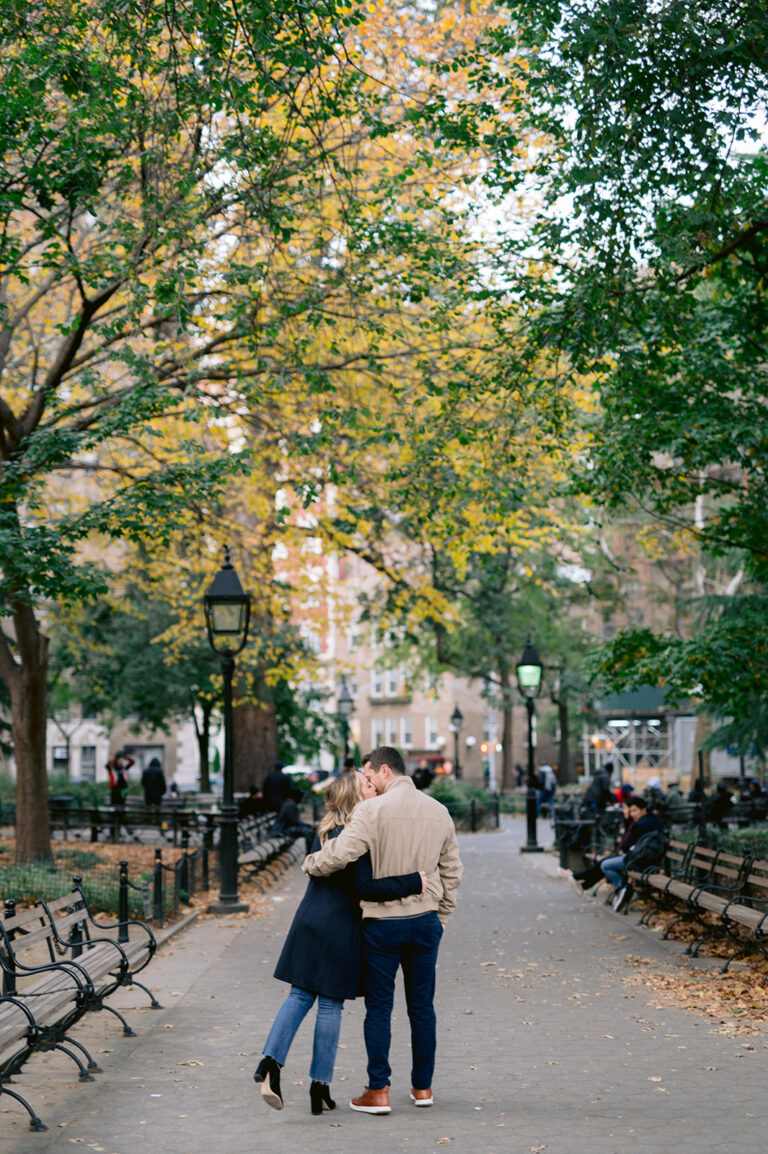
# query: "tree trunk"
[[703, 730], [255, 744], [507, 759], [564, 754], [26, 679], [203, 735]]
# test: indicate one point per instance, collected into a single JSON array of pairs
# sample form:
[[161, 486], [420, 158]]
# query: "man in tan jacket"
[[403, 830]]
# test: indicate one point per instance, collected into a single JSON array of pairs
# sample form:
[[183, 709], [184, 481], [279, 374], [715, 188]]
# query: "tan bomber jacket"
[[403, 830]]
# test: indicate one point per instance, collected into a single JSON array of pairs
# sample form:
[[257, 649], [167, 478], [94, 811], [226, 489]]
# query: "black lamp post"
[[227, 615], [529, 672], [344, 707], [457, 720]]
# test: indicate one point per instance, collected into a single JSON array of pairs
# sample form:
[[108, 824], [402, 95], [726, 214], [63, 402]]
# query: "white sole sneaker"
[[567, 875], [422, 1101], [370, 1109]]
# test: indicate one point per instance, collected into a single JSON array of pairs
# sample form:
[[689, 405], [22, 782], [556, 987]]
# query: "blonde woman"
[[321, 955]]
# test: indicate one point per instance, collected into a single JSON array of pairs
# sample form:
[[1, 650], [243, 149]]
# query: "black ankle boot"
[[320, 1097], [268, 1073]]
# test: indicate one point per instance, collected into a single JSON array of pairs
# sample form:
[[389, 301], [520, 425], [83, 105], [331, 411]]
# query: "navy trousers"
[[410, 944]]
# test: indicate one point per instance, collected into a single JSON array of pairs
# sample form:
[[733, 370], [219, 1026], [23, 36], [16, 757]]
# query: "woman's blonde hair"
[[341, 797]]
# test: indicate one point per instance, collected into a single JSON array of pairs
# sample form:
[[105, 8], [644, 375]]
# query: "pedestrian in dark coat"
[[599, 794], [277, 788], [321, 956], [153, 782]]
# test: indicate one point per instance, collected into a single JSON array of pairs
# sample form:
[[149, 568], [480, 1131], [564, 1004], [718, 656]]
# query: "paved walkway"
[[543, 1046]]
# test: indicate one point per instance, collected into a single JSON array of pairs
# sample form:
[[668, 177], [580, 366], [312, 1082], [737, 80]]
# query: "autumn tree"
[[234, 239], [461, 506], [642, 265], [141, 144]]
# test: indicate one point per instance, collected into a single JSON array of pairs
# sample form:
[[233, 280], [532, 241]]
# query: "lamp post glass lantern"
[[457, 720], [227, 616], [529, 671], [344, 708]]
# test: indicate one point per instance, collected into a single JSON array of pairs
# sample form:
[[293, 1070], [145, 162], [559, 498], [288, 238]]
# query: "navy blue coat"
[[322, 951]]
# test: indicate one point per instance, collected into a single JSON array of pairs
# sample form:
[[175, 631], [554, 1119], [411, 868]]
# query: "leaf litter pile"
[[736, 1000]]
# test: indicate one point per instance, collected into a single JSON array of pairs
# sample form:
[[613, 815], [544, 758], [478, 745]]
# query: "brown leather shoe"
[[422, 1098], [372, 1102]]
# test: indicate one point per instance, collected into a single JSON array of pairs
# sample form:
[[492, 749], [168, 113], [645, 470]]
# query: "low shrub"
[[469, 806], [752, 837]]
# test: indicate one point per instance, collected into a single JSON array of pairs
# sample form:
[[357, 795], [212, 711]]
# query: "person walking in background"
[[698, 792], [599, 794], [118, 767], [423, 776], [277, 788], [719, 805], [153, 783], [402, 829], [547, 783], [321, 955]]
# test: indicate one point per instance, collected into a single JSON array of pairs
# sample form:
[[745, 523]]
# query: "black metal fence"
[[194, 871], [153, 885], [154, 889], [474, 814]]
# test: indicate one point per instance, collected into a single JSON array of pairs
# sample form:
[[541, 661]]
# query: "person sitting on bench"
[[613, 868]]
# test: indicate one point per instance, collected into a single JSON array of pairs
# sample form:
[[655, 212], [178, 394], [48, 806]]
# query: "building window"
[[406, 735], [143, 754], [430, 732], [88, 762], [393, 683], [60, 759], [376, 732], [391, 731], [377, 683]]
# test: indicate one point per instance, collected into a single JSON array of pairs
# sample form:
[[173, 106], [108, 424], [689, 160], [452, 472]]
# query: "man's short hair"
[[387, 755], [640, 802]]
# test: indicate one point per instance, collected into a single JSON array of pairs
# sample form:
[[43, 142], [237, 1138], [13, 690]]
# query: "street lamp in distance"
[[227, 616], [457, 720], [529, 671], [344, 708]]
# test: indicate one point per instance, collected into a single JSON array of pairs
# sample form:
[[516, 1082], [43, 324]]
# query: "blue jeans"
[[613, 868], [327, 1026], [388, 944], [544, 797]]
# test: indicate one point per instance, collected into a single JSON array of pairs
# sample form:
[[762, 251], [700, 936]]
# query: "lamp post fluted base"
[[225, 907], [228, 901]]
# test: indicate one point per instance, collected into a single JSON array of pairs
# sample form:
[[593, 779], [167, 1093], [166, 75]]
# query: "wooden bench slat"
[[723, 893]]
